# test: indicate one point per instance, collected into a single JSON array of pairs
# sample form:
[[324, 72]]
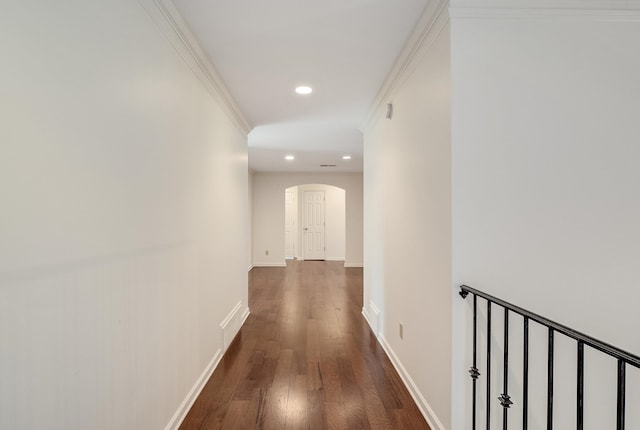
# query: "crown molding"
[[547, 4], [566, 14], [172, 24], [433, 20]]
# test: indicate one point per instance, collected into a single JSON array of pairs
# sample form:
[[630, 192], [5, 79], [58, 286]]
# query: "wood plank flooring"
[[305, 359]]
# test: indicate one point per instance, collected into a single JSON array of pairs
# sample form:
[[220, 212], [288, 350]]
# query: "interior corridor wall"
[[250, 220], [546, 186], [269, 213], [123, 184], [407, 276]]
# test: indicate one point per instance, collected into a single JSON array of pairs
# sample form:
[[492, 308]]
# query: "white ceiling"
[[263, 49]]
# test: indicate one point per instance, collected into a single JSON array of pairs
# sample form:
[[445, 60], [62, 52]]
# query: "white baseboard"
[[365, 314], [250, 267], [193, 394], [283, 264], [245, 315], [424, 407], [375, 315], [353, 264], [372, 315], [334, 259], [230, 327]]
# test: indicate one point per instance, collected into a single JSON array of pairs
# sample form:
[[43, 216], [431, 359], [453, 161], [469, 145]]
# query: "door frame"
[[302, 225]]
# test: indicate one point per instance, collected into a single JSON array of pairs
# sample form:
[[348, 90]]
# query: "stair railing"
[[623, 358]]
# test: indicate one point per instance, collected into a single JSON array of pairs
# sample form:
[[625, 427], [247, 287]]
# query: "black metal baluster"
[[474, 370], [621, 394], [505, 399], [488, 365], [624, 358], [550, 381], [525, 377], [580, 393]]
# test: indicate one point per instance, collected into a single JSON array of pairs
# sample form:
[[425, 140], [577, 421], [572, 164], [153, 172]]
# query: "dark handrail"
[[611, 350]]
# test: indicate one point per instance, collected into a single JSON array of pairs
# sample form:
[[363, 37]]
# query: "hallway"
[[305, 358]]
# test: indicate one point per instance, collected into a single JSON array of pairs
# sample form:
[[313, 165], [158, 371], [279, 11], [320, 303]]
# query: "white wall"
[[117, 259], [268, 213], [545, 183], [335, 218], [408, 225], [250, 220], [291, 214]]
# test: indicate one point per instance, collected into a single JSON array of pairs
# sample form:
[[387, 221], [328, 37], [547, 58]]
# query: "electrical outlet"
[[266, 252], [401, 331]]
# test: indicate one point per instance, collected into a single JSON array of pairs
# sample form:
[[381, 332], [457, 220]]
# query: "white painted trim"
[[587, 15], [230, 326], [250, 267], [269, 264], [353, 264], [375, 315], [432, 22], [365, 314], [422, 403], [334, 259], [193, 394], [230, 316], [195, 391], [372, 317], [245, 315], [168, 18]]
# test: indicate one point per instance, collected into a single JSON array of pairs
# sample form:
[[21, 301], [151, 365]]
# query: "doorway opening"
[[315, 222]]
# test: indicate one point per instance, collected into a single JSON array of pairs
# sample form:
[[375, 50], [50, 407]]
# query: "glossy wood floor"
[[305, 359]]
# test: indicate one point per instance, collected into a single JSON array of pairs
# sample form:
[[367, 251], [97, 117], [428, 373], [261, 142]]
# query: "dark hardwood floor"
[[305, 359]]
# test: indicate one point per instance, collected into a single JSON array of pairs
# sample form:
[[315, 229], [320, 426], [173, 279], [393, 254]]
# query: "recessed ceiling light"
[[304, 90], [346, 157], [289, 157]]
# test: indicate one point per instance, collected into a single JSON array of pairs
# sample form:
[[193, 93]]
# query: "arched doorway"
[[268, 214]]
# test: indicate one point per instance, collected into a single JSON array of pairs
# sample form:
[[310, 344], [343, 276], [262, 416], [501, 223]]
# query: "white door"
[[290, 222], [313, 225]]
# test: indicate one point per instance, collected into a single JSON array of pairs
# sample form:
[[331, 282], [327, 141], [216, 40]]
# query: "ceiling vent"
[[327, 165]]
